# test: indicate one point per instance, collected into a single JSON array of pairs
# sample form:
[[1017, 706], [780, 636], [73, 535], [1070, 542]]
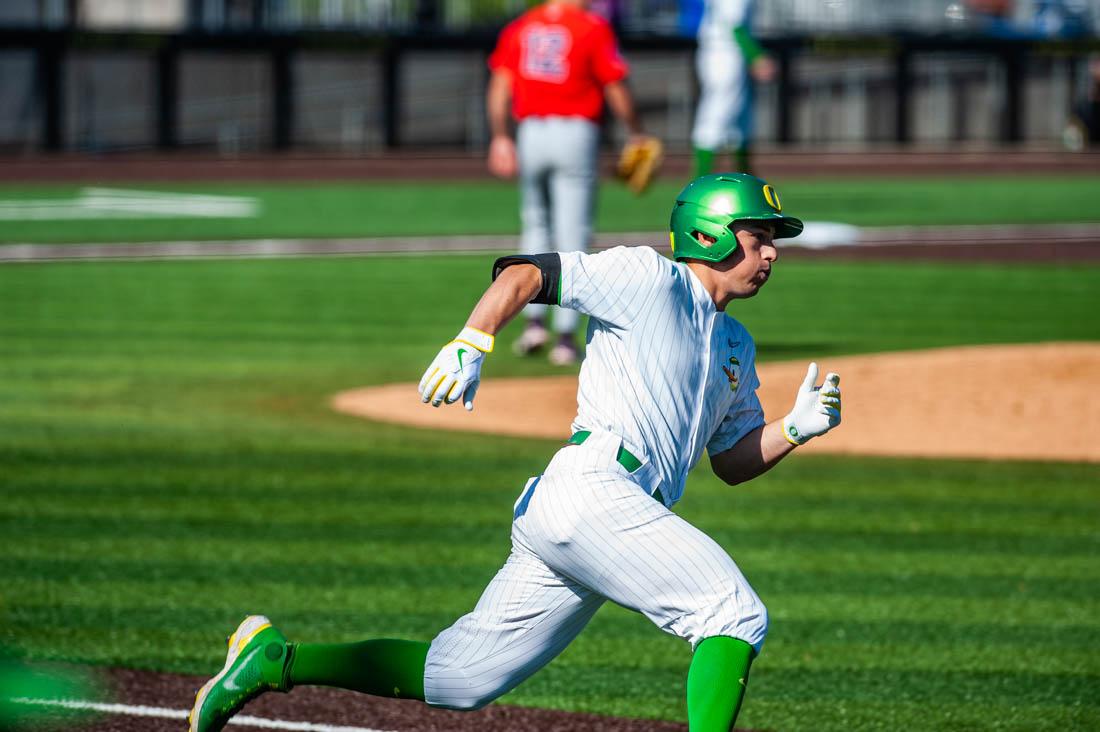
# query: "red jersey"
[[560, 57]]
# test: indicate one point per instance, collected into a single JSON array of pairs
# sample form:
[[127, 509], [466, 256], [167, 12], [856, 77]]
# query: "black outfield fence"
[[389, 53]]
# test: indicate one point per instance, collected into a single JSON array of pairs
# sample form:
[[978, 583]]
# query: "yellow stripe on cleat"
[[248, 639]]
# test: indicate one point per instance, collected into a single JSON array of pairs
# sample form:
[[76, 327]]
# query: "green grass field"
[[168, 463], [304, 210]]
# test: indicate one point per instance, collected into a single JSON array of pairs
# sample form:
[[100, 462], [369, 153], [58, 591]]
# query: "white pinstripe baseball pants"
[[583, 535], [724, 115]]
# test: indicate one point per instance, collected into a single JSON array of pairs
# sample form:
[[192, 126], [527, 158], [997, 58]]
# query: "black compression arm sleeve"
[[548, 264]]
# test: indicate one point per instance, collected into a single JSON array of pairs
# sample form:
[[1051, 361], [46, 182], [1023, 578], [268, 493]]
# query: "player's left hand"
[[456, 371], [816, 408], [764, 69]]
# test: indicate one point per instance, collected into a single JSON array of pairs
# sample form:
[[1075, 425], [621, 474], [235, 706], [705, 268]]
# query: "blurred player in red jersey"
[[551, 70]]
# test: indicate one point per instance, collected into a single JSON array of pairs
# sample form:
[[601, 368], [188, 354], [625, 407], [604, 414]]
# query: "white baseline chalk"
[[241, 720]]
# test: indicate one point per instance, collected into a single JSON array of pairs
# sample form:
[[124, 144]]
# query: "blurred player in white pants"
[[727, 56]]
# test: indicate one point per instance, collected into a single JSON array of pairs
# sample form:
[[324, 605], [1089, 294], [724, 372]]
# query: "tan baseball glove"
[[640, 161]]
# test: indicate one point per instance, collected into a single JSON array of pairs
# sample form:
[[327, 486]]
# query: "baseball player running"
[[551, 70], [666, 376]]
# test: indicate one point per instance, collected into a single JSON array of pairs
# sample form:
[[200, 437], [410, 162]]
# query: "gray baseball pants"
[[557, 174]]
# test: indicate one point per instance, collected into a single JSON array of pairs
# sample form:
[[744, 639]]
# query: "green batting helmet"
[[711, 203]]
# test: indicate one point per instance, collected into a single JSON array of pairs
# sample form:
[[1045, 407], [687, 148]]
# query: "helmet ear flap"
[[687, 220], [724, 242], [713, 230]]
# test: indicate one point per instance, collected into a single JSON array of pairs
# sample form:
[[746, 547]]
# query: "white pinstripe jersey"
[[665, 370]]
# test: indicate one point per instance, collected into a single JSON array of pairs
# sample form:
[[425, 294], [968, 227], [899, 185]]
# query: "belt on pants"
[[624, 458]]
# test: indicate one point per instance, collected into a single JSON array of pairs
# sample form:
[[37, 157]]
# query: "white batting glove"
[[456, 371], [816, 408]]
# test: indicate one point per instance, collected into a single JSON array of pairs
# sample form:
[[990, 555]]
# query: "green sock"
[[393, 668], [704, 161], [716, 683], [741, 157]]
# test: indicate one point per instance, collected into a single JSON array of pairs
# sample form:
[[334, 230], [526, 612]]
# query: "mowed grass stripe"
[[823, 606], [262, 590], [950, 716], [930, 526], [886, 685], [139, 620], [882, 575], [450, 574], [348, 528], [877, 311], [334, 480], [198, 490], [801, 645], [999, 489], [225, 549], [900, 646], [264, 528], [885, 634], [41, 478]]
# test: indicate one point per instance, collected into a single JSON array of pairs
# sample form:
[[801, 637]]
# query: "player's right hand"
[[502, 157], [456, 371], [816, 408]]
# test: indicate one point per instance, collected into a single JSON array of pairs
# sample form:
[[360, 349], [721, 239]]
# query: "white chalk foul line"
[[241, 720]]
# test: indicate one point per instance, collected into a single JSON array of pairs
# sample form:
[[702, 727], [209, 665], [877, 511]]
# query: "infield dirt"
[[334, 707], [1009, 402]]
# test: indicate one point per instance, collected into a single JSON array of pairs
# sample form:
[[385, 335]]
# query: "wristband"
[[480, 340], [792, 434]]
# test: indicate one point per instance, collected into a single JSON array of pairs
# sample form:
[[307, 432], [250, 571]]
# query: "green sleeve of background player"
[[748, 45]]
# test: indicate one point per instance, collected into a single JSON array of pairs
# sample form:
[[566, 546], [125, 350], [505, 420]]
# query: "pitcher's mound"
[[1019, 402]]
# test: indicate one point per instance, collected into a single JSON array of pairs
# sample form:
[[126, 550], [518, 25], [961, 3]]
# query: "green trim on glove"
[[479, 339]]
